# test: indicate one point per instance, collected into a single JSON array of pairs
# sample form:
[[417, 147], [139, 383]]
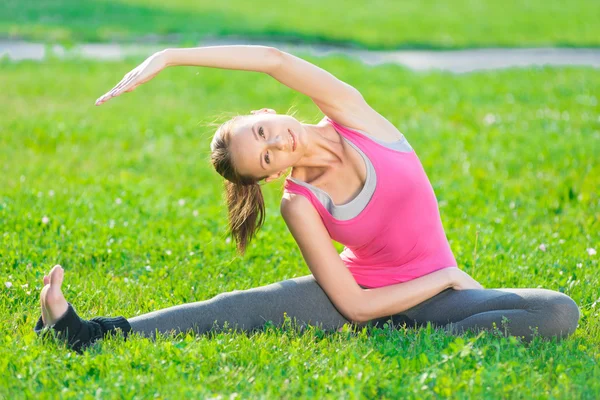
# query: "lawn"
[[373, 24], [124, 198]]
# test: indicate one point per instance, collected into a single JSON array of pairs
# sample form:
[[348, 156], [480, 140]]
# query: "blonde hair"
[[245, 202]]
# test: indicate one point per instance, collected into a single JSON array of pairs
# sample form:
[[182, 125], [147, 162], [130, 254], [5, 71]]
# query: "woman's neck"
[[325, 149]]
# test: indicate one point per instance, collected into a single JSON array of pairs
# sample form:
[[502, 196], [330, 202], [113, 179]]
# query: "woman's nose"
[[277, 142]]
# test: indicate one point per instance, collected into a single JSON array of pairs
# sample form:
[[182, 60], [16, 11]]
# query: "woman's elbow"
[[275, 59], [361, 318], [357, 314]]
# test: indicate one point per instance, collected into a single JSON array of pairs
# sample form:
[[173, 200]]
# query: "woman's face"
[[265, 144]]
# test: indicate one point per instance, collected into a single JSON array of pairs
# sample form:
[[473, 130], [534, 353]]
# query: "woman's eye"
[[260, 132], [267, 158]]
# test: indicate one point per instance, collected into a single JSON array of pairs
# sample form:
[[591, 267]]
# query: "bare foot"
[[52, 300]]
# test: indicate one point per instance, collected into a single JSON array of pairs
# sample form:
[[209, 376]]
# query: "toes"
[[56, 276], [46, 280]]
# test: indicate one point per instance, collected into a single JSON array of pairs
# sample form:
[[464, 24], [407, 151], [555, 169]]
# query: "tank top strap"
[[365, 139], [370, 149], [343, 130]]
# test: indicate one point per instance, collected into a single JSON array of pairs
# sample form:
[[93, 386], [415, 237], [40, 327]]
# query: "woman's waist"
[[400, 255]]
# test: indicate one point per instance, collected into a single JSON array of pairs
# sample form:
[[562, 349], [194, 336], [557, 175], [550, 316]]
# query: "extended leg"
[[300, 298]]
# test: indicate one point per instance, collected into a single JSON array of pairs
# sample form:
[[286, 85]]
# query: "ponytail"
[[243, 196], [246, 207]]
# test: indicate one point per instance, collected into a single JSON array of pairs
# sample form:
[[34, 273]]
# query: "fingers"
[[124, 85], [113, 92], [108, 94]]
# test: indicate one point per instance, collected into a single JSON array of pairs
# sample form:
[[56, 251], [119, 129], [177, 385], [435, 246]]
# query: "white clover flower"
[[228, 240], [489, 119], [591, 251], [181, 202], [542, 247], [51, 193], [118, 200], [8, 284], [45, 220], [195, 213], [168, 252], [148, 268]]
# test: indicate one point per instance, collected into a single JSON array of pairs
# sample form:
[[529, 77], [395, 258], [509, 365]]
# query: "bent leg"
[[300, 298], [518, 312]]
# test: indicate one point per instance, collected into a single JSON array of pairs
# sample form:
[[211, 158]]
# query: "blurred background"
[[378, 24]]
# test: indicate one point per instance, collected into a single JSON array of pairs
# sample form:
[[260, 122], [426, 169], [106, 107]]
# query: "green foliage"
[[512, 155], [374, 24]]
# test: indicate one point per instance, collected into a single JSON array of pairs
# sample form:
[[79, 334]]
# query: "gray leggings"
[[548, 312]]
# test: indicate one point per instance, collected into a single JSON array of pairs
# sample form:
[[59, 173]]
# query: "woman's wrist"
[[167, 58]]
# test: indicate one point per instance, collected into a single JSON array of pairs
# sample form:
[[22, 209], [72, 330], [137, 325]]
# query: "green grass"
[[512, 155], [374, 24]]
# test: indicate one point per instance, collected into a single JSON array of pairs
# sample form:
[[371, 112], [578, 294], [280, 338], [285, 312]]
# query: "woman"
[[354, 179]]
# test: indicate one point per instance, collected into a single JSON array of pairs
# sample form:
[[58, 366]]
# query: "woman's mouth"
[[293, 140]]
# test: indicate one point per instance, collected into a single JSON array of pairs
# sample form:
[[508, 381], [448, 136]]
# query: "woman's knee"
[[561, 313]]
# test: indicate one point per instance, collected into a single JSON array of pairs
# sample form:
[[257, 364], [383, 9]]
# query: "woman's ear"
[[274, 177]]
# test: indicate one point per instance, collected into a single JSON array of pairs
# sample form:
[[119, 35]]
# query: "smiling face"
[[265, 144]]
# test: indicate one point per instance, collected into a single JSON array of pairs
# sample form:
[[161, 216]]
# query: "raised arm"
[[239, 57], [355, 303], [327, 91]]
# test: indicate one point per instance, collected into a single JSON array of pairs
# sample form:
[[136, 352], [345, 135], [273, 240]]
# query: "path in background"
[[448, 60]]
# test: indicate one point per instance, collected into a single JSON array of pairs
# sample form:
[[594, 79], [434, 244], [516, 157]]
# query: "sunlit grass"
[[124, 198]]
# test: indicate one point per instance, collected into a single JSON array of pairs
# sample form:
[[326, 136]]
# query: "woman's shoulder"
[[292, 202], [295, 206], [364, 119]]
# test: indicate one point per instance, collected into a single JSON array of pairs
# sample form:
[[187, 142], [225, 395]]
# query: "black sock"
[[79, 333]]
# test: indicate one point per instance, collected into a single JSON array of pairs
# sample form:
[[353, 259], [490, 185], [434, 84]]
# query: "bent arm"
[[393, 299], [356, 304]]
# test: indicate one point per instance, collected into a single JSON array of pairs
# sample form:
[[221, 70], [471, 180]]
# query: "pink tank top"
[[399, 235]]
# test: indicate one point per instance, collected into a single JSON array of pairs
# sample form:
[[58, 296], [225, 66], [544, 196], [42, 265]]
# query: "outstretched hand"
[[140, 74]]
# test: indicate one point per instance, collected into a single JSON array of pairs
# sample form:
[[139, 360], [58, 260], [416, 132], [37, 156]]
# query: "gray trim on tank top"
[[355, 206]]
